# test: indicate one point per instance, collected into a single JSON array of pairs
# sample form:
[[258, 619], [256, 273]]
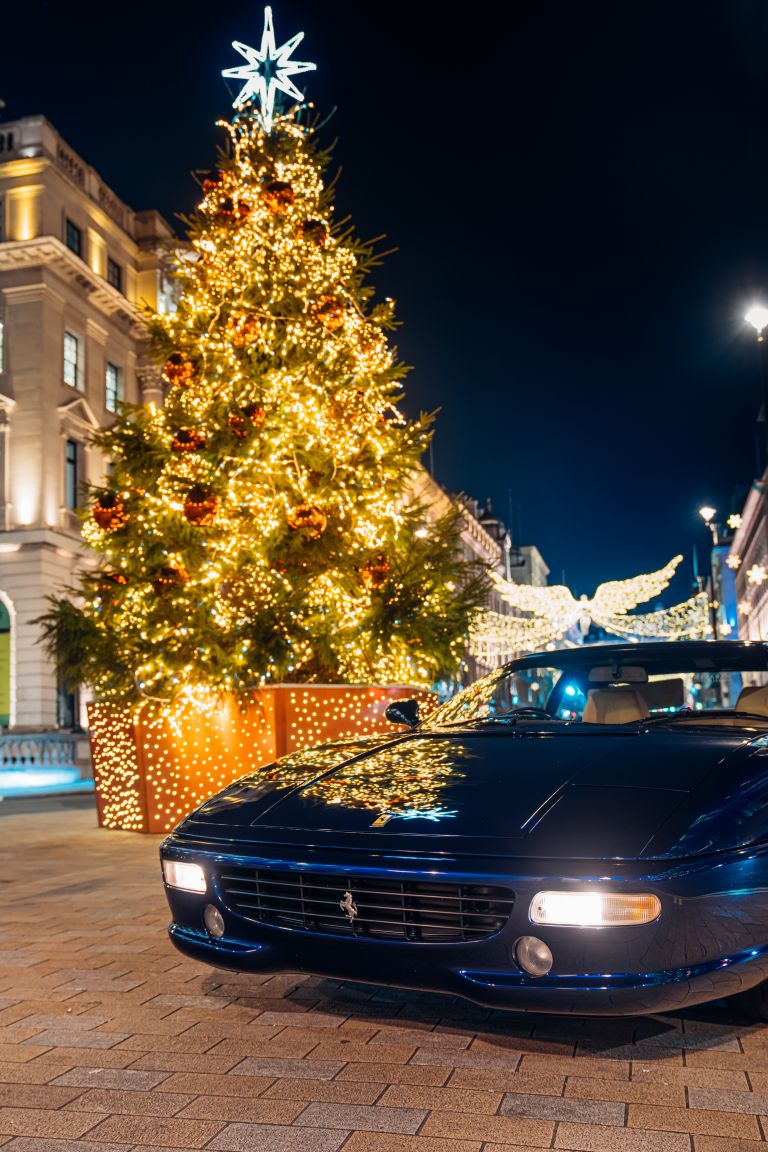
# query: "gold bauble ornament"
[[200, 505], [167, 578], [244, 329], [376, 571], [309, 519], [278, 196], [187, 440], [329, 311]]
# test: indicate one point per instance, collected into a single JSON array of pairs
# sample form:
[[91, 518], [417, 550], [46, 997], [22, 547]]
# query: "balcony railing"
[[32, 762]]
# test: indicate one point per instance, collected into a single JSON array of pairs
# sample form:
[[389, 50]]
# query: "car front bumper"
[[710, 941]]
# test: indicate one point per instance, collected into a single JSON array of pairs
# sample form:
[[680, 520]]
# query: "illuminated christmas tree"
[[258, 528]]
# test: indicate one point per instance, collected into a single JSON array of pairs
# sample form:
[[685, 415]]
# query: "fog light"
[[594, 909], [533, 956], [214, 921], [190, 877]]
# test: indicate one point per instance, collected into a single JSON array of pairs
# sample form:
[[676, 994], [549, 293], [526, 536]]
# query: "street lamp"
[[708, 514]]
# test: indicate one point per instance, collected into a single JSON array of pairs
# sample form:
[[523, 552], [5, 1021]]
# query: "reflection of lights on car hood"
[[433, 814]]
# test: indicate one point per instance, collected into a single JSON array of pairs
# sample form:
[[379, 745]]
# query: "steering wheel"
[[537, 713]]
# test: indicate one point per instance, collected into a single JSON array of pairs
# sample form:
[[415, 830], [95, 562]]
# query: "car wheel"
[[753, 1004]]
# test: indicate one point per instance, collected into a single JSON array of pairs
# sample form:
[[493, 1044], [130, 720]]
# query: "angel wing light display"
[[550, 613]]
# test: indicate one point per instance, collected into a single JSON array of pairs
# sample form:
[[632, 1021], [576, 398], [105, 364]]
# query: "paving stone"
[[133, 1103], [201, 1084], [300, 1020], [628, 1091], [441, 1099], [458, 1058], [270, 1138], [35, 1096], [395, 1073], [504, 1081], [44, 1122], [361, 1117], [591, 1138], [725, 1144], [88, 1057], [708, 1123], [203, 1063], [361, 1053], [754, 1102], [493, 1129], [299, 1069], [388, 1142], [238, 1109], [120, 1078], [40, 1144], [71, 1038], [58, 1020], [336, 1091], [154, 1130], [561, 1109]]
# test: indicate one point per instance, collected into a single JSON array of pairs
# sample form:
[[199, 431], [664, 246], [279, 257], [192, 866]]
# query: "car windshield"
[[679, 684]]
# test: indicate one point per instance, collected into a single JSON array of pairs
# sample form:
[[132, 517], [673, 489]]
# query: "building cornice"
[[50, 252]]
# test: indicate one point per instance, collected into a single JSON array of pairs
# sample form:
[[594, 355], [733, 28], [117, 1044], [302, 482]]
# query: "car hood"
[[565, 793]]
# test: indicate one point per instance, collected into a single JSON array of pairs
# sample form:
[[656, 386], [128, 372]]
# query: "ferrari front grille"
[[375, 907]]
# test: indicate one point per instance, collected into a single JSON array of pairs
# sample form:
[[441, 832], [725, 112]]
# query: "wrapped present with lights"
[[256, 543]]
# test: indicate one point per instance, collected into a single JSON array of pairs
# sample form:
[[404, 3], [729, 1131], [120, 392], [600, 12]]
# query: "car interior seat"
[[614, 706], [753, 699]]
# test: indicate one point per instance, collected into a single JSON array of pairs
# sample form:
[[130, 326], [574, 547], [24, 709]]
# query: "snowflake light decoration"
[[268, 71], [757, 574]]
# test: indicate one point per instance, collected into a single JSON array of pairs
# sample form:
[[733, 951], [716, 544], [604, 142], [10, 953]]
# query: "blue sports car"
[[581, 831]]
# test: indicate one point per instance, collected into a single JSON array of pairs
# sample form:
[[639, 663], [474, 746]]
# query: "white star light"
[[268, 71]]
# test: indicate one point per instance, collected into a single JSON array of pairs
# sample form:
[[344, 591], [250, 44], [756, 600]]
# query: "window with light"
[[114, 387], [73, 374]]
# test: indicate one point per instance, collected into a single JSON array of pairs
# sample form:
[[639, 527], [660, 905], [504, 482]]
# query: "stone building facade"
[[76, 264]]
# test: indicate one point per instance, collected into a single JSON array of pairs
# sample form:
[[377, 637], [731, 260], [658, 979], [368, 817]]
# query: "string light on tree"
[[268, 71]]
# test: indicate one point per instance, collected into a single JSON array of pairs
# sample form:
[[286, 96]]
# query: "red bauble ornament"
[[110, 580], [376, 571], [329, 311], [179, 369], [244, 420], [309, 519], [314, 232], [278, 196], [233, 211], [187, 440], [200, 505], [166, 579], [109, 512], [244, 329]]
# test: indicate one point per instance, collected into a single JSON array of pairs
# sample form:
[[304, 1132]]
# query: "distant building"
[[76, 264], [748, 560]]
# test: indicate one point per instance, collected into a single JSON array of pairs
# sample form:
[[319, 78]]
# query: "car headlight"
[[594, 909], [178, 874]]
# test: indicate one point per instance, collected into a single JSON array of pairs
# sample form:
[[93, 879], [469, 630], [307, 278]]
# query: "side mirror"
[[403, 712]]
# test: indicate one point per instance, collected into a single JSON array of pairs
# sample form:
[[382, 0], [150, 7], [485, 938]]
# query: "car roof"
[[736, 655]]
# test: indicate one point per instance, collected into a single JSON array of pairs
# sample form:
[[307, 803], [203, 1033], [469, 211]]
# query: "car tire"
[[751, 1005]]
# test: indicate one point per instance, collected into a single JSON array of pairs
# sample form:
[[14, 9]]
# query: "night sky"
[[579, 198]]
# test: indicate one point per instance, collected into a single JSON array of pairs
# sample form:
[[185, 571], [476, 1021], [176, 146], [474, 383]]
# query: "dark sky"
[[579, 196]]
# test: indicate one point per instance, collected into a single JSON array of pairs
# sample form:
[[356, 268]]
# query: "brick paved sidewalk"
[[111, 1040]]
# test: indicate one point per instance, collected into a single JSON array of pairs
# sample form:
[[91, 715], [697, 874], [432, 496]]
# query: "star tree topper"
[[269, 70]]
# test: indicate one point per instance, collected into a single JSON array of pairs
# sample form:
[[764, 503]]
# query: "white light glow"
[[757, 316], [190, 877], [268, 71], [707, 514], [593, 909]]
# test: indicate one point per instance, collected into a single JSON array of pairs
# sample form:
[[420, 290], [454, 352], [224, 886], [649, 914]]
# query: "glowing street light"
[[757, 316], [707, 514]]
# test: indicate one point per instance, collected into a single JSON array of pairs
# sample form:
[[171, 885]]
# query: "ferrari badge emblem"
[[383, 819], [348, 906]]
